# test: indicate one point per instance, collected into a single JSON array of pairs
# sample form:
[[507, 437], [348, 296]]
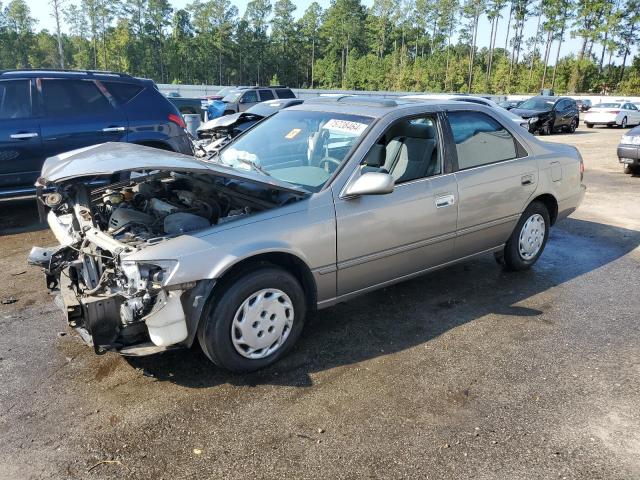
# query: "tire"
[[589, 125], [573, 126], [220, 332], [631, 169], [514, 254], [624, 123]]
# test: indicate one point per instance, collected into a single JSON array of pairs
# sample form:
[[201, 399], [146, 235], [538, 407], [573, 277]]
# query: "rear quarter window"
[[15, 99], [122, 92], [284, 93]]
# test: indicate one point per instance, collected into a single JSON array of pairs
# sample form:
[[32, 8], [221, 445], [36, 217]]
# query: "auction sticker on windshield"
[[293, 133], [345, 126]]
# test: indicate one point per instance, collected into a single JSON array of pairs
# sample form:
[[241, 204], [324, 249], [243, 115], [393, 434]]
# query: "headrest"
[[412, 130], [419, 130]]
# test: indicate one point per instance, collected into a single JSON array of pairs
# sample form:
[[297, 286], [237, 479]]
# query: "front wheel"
[[528, 239], [630, 169], [254, 320]]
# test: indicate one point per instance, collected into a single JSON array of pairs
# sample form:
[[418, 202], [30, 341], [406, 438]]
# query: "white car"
[[619, 113], [472, 99]]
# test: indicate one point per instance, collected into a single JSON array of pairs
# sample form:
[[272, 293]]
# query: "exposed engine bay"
[[116, 304]]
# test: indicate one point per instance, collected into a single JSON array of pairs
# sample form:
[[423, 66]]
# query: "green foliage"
[[404, 45]]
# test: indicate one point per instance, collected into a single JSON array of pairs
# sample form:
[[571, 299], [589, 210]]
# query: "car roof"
[[54, 73], [368, 106]]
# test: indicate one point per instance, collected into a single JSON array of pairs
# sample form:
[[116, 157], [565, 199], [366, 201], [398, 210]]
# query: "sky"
[[41, 10]]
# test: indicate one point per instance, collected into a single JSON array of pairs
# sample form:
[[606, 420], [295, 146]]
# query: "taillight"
[[178, 120]]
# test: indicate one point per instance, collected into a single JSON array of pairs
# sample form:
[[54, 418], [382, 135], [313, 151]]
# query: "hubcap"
[[262, 323], [531, 236]]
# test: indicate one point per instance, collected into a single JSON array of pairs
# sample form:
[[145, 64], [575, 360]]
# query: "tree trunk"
[[546, 57], [506, 40], [604, 48], [555, 66], [493, 26], [535, 45], [313, 59], [56, 14]]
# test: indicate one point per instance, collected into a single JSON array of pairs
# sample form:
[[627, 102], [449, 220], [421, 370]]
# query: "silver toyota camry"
[[317, 204]]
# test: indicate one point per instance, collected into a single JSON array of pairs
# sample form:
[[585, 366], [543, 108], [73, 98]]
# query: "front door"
[[495, 179], [21, 155], [388, 237], [76, 114]]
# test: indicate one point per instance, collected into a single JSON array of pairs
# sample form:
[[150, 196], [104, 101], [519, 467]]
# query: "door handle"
[[445, 201], [114, 129], [23, 136], [526, 179]]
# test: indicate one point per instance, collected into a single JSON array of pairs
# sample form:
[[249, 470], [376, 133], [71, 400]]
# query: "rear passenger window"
[[15, 99], [284, 93], [73, 97], [266, 95], [250, 96], [122, 92], [480, 140]]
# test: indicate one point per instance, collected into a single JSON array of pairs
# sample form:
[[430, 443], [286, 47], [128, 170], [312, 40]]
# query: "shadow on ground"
[[412, 313]]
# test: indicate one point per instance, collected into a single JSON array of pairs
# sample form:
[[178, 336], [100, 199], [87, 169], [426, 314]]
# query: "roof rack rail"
[[68, 70]]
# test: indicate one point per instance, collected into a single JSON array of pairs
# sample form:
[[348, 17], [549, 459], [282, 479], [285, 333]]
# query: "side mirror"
[[371, 183]]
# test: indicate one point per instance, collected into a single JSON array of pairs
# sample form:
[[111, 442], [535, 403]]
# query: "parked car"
[[472, 99], [549, 114], [216, 133], [584, 104], [509, 104], [242, 99], [629, 151], [316, 204], [620, 114], [44, 113], [187, 105]]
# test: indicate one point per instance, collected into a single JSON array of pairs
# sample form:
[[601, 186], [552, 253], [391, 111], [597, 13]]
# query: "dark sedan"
[[547, 114], [629, 151]]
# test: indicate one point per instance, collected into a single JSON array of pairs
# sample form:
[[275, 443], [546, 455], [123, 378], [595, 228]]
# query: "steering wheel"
[[329, 161]]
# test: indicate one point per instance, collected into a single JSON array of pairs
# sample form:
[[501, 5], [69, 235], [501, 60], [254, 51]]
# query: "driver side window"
[[411, 150]]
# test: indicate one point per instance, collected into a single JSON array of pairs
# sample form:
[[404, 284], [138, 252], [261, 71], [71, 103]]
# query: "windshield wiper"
[[253, 165]]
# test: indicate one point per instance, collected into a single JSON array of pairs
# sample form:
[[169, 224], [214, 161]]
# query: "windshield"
[[299, 147], [225, 91], [232, 96], [536, 104], [607, 105]]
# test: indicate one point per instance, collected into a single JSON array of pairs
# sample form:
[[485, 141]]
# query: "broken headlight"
[[145, 275]]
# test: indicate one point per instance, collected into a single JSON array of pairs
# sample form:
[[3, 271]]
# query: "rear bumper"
[[601, 119], [629, 154]]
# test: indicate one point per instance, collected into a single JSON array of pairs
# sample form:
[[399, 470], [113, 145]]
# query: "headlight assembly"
[[630, 139], [533, 119], [142, 275]]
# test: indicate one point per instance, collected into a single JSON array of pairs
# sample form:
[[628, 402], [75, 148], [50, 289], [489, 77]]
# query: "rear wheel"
[[573, 126], [624, 123], [528, 239], [589, 125], [630, 169], [254, 320]]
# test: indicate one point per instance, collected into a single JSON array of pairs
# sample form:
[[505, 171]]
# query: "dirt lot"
[[470, 372]]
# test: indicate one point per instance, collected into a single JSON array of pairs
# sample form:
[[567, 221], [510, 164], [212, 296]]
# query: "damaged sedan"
[[314, 205]]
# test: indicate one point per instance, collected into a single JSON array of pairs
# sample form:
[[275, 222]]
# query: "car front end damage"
[[115, 300], [114, 303]]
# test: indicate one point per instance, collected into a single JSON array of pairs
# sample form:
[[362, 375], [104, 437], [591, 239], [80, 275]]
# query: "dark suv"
[[547, 114], [44, 113]]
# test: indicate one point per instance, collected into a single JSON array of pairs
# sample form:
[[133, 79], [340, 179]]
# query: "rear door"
[[21, 154], [78, 113], [496, 178], [248, 99], [266, 94]]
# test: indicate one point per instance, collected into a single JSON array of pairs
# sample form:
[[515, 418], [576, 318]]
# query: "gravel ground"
[[470, 372]]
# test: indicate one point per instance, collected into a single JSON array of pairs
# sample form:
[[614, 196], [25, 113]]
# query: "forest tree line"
[[407, 45]]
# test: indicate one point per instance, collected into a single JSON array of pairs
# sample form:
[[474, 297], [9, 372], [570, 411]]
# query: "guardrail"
[[202, 90]]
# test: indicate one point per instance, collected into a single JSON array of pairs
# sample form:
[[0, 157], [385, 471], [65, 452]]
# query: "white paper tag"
[[345, 126]]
